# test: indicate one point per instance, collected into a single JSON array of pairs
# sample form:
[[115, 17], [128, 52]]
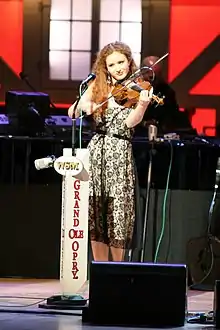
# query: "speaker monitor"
[[143, 294], [27, 111]]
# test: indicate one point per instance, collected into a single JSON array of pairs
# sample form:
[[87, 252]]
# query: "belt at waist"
[[121, 137]]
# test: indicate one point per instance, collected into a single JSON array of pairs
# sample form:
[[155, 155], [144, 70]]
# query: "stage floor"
[[19, 309]]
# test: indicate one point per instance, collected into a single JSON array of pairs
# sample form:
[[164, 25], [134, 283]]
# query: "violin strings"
[[112, 95]]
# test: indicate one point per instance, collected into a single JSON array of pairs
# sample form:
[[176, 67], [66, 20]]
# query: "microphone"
[[42, 163], [217, 173], [23, 76], [152, 133], [145, 69], [139, 72], [90, 77]]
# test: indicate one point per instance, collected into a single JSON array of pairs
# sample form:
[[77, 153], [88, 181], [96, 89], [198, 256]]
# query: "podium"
[[74, 226], [74, 229]]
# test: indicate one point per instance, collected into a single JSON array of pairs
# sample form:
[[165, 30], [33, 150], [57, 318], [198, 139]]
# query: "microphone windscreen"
[[23, 76], [42, 163]]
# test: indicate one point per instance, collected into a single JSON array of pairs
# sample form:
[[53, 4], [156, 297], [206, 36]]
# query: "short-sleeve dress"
[[112, 179]]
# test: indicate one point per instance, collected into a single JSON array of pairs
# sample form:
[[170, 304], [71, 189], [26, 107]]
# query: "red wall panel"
[[11, 33], [209, 85], [204, 118], [194, 24]]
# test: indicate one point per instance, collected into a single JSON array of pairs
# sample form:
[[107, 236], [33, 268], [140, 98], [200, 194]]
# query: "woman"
[[112, 176]]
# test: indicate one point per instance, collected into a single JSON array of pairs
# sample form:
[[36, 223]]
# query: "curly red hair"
[[101, 86]]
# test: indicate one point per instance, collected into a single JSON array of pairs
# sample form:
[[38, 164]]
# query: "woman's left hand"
[[145, 97]]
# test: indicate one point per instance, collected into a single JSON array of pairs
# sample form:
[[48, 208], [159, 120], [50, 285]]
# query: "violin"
[[128, 96]]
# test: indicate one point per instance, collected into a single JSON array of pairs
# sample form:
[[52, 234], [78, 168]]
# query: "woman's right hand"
[[88, 107]]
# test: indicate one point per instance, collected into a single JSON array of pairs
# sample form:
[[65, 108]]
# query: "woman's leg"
[[117, 254], [100, 251]]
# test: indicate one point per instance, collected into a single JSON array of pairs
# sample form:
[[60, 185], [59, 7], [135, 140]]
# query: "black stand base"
[[73, 302], [202, 287]]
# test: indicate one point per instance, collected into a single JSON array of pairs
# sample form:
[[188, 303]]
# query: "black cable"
[[169, 227], [22, 297], [40, 300], [161, 236], [209, 237], [41, 311]]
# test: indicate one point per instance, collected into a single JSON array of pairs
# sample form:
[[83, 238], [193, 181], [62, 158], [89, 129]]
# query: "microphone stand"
[[152, 152], [75, 301], [82, 90], [24, 77], [74, 126]]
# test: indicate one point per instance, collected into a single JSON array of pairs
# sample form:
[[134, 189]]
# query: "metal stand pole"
[[146, 214], [83, 88], [152, 136], [74, 126]]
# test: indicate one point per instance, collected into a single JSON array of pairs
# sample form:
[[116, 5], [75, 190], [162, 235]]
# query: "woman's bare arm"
[[85, 104], [136, 115]]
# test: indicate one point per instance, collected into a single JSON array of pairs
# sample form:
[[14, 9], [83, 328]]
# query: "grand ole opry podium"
[[74, 221], [74, 226]]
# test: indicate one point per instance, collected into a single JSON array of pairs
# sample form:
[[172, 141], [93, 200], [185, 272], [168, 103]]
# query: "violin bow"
[[159, 60], [130, 79], [133, 77], [139, 71]]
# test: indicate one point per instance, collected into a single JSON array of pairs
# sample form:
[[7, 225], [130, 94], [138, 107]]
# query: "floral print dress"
[[112, 179]]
